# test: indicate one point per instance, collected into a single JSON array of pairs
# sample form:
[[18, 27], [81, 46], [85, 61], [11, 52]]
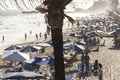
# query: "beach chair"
[[80, 68], [69, 76], [90, 67]]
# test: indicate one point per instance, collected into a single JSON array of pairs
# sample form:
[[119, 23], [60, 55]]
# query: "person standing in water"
[[45, 36], [25, 36], [3, 38]]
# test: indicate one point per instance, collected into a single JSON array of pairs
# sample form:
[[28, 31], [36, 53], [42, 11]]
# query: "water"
[[13, 26]]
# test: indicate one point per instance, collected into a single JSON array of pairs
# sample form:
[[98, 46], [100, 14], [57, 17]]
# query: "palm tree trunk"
[[57, 39]]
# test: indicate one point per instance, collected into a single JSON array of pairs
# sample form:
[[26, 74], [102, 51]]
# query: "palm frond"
[[41, 9], [70, 18], [66, 2]]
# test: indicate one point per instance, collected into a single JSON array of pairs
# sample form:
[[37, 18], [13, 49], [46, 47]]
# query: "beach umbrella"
[[74, 47], [29, 49], [74, 42], [80, 42], [92, 34], [48, 61], [115, 32], [42, 44], [84, 36], [34, 60], [15, 56], [50, 42], [13, 47], [22, 75]]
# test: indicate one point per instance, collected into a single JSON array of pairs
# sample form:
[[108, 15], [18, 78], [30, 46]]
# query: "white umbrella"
[[15, 56], [43, 44]]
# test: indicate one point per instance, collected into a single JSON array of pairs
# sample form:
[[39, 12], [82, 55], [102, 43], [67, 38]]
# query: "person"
[[25, 36], [68, 40], [36, 37], [45, 36], [96, 66], [30, 32], [40, 35], [83, 60], [3, 38], [87, 58]]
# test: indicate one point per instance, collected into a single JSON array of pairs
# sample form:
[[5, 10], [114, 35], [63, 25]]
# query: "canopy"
[[15, 56], [21, 75]]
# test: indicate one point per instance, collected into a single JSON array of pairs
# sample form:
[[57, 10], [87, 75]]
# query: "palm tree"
[[55, 16]]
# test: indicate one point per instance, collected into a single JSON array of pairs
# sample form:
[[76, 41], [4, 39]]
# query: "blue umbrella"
[[15, 56], [92, 34], [22, 75], [13, 47], [50, 42], [84, 36], [34, 61], [29, 49], [49, 61], [80, 42], [74, 47]]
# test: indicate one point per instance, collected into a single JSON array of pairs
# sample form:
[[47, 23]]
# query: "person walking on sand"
[[45, 36], [36, 37], [25, 36], [40, 35], [87, 58]]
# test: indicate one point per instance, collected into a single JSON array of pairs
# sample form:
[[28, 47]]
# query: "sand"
[[107, 56]]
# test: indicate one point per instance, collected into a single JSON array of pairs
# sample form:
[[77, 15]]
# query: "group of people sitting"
[[95, 68]]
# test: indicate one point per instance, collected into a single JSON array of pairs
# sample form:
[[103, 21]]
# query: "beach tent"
[[115, 32], [13, 47], [29, 49], [15, 56], [22, 75]]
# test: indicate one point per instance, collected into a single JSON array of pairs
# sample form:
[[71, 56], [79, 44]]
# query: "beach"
[[107, 55]]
